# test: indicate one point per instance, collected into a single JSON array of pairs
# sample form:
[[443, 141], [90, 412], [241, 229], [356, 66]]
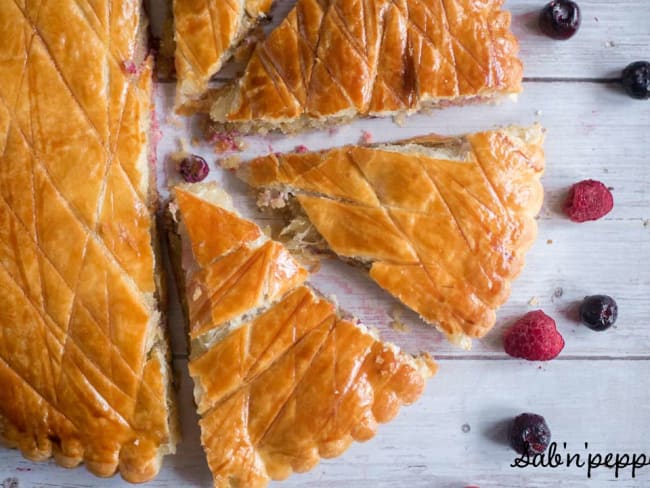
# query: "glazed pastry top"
[[442, 223], [83, 373], [287, 380]]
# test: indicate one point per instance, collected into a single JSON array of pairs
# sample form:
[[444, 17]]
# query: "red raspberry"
[[533, 337], [588, 200]]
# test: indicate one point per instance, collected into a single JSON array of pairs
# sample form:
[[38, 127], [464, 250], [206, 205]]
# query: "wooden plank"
[[594, 132], [599, 402]]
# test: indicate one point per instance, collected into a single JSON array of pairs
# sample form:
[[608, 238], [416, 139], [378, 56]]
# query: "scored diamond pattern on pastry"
[[443, 224], [335, 59], [286, 380], [83, 371], [206, 33]]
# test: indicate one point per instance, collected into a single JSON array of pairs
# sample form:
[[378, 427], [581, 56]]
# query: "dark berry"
[[193, 168], [529, 434], [560, 19], [598, 312], [588, 200], [636, 80]]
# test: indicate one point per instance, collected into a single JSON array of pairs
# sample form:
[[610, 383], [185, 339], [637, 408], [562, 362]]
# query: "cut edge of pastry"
[[302, 238], [232, 107], [179, 252], [421, 362], [304, 241], [157, 342], [222, 99], [193, 94]]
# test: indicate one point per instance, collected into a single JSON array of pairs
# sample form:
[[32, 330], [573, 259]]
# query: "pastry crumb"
[[399, 119], [549, 241], [267, 231], [230, 162], [173, 119], [533, 301], [227, 141], [396, 323], [271, 198], [183, 145]]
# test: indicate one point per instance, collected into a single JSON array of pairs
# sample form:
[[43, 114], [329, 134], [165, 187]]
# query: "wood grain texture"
[[595, 391]]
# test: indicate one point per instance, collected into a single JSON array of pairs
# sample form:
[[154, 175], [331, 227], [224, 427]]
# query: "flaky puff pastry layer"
[[289, 381], [206, 33], [332, 60], [83, 366], [442, 223]]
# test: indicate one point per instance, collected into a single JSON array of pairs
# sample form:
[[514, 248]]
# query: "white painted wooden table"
[[596, 391]]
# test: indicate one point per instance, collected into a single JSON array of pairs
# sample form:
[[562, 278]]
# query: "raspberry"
[[533, 337], [588, 200]]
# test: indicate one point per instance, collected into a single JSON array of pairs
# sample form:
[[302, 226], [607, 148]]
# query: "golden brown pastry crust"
[[83, 373], [337, 59], [206, 32], [291, 382], [443, 223]]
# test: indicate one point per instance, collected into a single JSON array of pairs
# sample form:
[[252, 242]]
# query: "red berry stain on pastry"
[[301, 148], [533, 337], [193, 168], [129, 67], [560, 19], [588, 200]]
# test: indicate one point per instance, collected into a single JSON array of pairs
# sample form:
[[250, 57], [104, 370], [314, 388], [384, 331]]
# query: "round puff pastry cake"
[[281, 377], [332, 60], [442, 224], [84, 373]]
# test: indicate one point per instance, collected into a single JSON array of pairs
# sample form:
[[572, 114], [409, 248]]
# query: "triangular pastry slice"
[[84, 373], [332, 60], [281, 377], [442, 224], [206, 35]]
